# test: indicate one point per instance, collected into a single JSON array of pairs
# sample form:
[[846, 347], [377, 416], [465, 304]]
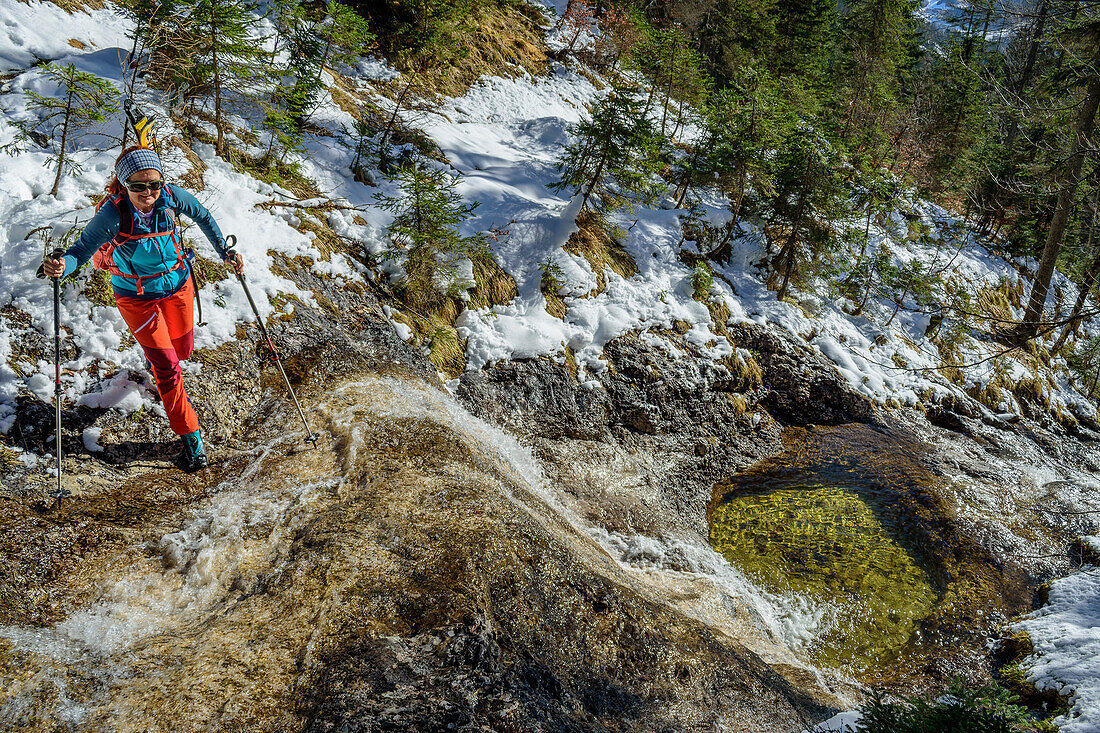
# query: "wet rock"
[[642, 449], [537, 396], [803, 386]]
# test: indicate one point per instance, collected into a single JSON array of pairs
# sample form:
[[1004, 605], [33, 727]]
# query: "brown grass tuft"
[[495, 41], [492, 284], [592, 242]]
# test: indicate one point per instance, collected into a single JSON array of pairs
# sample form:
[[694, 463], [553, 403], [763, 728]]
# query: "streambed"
[[851, 519]]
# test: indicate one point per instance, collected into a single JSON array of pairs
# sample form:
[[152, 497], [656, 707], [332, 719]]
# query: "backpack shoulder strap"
[[170, 199], [125, 215]]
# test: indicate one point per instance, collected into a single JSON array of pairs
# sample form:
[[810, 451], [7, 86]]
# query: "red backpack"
[[103, 259]]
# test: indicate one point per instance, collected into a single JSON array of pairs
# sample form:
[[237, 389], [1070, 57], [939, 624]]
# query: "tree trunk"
[[595, 179], [64, 141], [1025, 73], [668, 88], [689, 172], [1086, 120], [217, 82], [1084, 289], [790, 247], [724, 250], [393, 118], [739, 195]]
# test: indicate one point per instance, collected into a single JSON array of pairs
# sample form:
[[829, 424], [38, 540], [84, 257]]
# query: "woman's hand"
[[236, 262], [53, 266]]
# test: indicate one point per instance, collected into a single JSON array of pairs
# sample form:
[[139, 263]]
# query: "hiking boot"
[[192, 458]]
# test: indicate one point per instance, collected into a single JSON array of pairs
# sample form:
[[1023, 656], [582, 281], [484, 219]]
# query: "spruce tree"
[[204, 48], [427, 217], [1084, 40], [875, 51], [809, 197], [675, 70], [83, 100], [315, 37], [615, 153], [422, 38], [230, 55]]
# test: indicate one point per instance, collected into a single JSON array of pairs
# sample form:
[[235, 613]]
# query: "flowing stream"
[[218, 618]]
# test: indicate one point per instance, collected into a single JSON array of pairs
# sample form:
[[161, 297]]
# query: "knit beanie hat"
[[137, 160]]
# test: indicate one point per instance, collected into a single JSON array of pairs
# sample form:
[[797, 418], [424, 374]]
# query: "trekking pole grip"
[[231, 252], [57, 254]]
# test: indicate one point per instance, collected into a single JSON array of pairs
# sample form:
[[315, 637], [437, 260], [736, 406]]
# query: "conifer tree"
[[83, 100], [956, 126], [615, 153], [232, 58], [1084, 40], [675, 69], [204, 47], [875, 52], [427, 217], [734, 35], [421, 39], [315, 37], [1085, 264], [750, 119], [804, 42], [808, 199]]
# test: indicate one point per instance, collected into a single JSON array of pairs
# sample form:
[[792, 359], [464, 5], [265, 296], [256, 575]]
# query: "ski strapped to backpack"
[[143, 125], [104, 258]]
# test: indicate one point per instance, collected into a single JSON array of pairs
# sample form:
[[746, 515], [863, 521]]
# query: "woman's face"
[[143, 200]]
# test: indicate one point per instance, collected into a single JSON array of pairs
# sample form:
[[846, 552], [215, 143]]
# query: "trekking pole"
[[311, 436], [59, 493]]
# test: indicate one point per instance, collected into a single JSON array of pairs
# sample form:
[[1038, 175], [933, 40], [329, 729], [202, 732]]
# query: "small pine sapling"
[[702, 281], [427, 216], [83, 101], [616, 153], [427, 41], [809, 196], [315, 37]]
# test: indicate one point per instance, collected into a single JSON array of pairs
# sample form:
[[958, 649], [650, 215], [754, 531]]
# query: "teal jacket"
[[149, 255]]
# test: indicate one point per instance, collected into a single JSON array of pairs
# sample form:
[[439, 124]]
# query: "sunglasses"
[[139, 186]]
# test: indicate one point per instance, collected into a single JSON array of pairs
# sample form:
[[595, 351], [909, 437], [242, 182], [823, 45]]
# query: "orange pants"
[[165, 328]]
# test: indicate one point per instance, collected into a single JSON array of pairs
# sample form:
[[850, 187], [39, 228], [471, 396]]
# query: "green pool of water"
[[838, 547]]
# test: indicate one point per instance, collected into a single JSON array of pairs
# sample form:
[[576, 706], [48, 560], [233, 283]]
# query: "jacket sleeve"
[[190, 207], [101, 229]]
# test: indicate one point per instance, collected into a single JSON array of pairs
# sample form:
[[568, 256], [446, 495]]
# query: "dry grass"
[[98, 288], [193, 179], [325, 240], [208, 270], [592, 242], [996, 303], [496, 40], [555, 304], [492, 285], [75, 6], [431, 316], [738, 403], [571, 363]]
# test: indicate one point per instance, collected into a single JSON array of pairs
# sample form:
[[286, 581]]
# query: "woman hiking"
[[150, 276]]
